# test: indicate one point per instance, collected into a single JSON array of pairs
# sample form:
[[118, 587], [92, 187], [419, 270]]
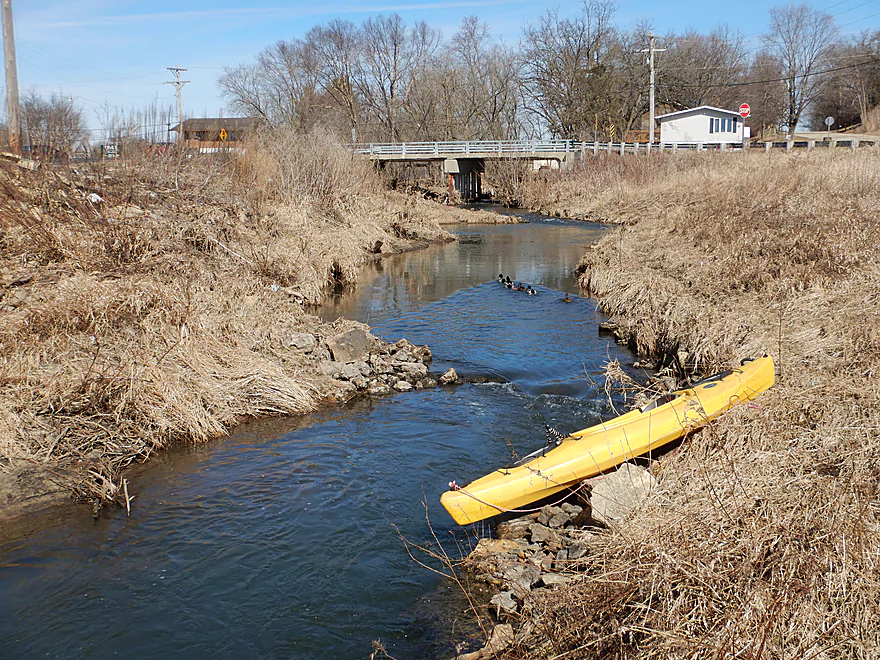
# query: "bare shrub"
[[310, 169]]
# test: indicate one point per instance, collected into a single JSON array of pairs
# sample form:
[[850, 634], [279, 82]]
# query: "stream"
[[285, 539]]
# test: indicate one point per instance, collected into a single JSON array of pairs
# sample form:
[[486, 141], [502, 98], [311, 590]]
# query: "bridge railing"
[[469, 147]]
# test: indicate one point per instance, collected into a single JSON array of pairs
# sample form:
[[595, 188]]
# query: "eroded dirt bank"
[[760, 536], [143, 304]]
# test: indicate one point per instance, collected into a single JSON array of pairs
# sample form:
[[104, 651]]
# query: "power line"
[[797, 76]]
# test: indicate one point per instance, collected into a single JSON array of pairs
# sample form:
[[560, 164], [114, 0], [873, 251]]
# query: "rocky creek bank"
[[547, 548]]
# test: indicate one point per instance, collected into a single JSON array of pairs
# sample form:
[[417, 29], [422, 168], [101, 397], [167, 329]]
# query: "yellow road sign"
[[223, 135]]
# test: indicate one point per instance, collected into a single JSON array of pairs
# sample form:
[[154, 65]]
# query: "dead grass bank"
[[147, 303], [762, 539]]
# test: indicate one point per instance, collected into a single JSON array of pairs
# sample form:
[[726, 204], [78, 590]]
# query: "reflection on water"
[[282, 541]]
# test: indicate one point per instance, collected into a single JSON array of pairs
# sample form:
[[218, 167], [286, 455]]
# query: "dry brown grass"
[[762, 540], [159, 314]]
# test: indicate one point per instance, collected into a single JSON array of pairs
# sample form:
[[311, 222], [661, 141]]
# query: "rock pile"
[[548, 547], [360, 362]]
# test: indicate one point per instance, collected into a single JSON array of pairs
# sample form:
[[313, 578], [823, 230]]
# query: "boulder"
[[558, 520], [303, 342], [350, 346], [329, 368], [540, 533], [619, 493], [501, 638], [412, 370], [380, 365], [449, 377], [379, 389], [518, 528], [548, 512], [349, 371], [402, 386], [428, 382], [504, 602]]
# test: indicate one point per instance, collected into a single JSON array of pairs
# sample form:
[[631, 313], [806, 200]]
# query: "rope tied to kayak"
[[455, 487]]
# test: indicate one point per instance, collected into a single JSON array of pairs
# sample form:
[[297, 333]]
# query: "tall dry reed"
[[150, 301]]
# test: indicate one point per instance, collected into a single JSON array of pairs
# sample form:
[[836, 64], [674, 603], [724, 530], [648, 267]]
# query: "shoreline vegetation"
[[149, 303], [760, 535]]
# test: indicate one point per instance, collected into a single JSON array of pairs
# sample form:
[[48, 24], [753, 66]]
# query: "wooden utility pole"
[[178, 83], [651, 50], [13, 110]]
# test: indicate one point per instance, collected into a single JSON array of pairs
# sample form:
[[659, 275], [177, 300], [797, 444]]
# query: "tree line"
[[578, 77]]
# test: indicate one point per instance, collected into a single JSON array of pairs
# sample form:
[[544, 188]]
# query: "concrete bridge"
[[464, 162]]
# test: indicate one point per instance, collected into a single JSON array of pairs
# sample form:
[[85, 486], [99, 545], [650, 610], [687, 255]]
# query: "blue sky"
[[117, 52]]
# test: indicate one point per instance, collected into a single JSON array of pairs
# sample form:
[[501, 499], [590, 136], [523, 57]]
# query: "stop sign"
[[745, 110]]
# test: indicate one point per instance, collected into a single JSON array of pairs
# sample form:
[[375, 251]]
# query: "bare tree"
[[280, 87], [337, 49], [393, 57], [698, 69], [765, 93], [852, 88], [565, 70], [50, 125], [800, 39]]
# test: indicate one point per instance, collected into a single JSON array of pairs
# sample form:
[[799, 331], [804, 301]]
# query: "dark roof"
[[216, 123]]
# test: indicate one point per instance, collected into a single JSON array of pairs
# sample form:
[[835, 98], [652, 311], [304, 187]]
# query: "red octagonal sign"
[[745, 110]]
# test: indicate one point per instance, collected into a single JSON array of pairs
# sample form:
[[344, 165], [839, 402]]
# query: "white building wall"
[[695, 128]]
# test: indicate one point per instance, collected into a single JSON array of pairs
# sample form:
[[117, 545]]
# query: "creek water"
[[284, 540]]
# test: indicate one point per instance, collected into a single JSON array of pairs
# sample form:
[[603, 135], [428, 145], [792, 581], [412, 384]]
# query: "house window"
[[711, 125]]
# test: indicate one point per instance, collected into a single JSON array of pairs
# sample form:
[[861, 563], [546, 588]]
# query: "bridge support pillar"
[[466, 175]]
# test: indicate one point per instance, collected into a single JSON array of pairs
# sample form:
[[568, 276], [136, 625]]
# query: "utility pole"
[[178, 83], [13, 110], [651, 50]]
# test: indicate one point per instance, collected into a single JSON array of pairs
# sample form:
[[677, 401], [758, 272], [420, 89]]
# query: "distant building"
[[216, 133], [703, 125]]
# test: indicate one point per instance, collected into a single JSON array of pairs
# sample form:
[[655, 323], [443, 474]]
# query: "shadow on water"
[[281, 540]]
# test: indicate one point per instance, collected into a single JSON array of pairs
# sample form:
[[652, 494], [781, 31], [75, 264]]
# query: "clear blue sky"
[[117, 52]]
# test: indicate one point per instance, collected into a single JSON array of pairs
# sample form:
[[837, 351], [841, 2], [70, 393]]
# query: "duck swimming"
[[566, 299]]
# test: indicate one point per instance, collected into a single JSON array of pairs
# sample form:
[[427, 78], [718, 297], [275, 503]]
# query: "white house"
[[703, 125]]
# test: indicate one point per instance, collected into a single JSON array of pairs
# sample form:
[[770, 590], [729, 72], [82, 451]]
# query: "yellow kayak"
[[597, 449]]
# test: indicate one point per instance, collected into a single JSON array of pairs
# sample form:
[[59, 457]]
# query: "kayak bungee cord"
[[454, 486]]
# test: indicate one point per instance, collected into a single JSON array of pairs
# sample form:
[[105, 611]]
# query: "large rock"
[[302, 341], [331, 369], [504, 602], [449, 377], [350, 346], [412, 370], [518, 528], [350, 371], [617, 494]]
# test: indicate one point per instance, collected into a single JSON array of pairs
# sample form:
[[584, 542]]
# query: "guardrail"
[[512, 147], [534, 149]]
